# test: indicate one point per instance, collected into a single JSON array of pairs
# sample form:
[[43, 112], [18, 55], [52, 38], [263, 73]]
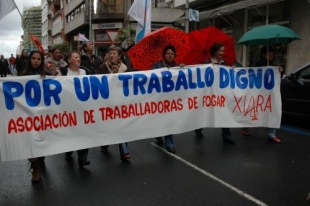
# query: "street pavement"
[[204, 171]]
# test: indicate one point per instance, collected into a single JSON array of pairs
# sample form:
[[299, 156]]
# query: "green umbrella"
[[268, 35]]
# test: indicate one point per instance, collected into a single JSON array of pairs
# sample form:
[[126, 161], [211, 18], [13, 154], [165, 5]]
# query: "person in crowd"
[[168, 56], [21, 61], [35, 66], [5, 66], [55, 62], [1, 70], [267, 59], [125, 58], [73, 69], [217, 53], [113, 64], [12, 62], [88, 59]]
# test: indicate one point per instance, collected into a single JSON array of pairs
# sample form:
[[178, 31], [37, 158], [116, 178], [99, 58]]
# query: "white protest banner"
[[41, 117]]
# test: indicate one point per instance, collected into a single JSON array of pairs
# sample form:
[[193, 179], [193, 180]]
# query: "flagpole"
[[17, 9], [21, 16], [90, 24], [28, 30]]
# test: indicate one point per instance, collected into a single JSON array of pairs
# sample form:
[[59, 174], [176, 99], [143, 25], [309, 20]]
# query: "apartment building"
[[31, 23], [47, 24]]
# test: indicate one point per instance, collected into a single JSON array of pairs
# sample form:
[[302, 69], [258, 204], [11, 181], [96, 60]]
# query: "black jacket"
[[21, 64], [90, 64]]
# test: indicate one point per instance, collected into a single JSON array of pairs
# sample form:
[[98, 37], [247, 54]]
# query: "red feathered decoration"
[[37, 43]]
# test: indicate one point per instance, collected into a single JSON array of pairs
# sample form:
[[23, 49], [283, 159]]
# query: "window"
[[276, 13], [305, 73], [109, 7], [268, 14]]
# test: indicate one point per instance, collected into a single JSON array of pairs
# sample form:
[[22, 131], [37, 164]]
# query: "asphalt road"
[[204, 171]]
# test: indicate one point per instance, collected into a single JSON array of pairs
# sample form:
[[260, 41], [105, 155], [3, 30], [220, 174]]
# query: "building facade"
[[31, 23], [47, 24], [100, 20], [238, 16]]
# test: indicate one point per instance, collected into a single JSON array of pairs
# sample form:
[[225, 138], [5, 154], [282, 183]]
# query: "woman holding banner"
[[217, 53], [35, 66], [73, 69], [168, 55], [113, 64]]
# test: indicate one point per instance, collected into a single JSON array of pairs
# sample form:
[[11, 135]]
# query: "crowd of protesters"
[[84, 62]]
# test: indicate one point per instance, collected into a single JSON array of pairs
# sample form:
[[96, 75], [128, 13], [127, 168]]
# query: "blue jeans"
[[123, 148], [169, 141], [271, 132]]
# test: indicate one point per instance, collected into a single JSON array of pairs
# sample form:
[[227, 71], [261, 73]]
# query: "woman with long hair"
[[35, 66], [21, 61]]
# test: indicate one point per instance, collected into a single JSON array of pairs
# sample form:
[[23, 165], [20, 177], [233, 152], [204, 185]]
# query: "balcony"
[[49, 27], [72, 5], [50, 14], [57, 13], [75, 23]]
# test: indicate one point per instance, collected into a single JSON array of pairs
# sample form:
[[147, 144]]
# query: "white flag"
[[141, 12], [82, 37], [6, 6]]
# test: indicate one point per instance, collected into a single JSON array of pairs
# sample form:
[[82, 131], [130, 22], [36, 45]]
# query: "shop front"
[[105, 35]]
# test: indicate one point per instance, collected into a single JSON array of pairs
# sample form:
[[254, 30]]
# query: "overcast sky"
[[11, 29]]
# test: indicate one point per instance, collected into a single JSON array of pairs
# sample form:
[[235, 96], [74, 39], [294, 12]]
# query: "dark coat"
[[21, 64], [162, 64], [4, 67], [91, 64], [5, 63], [264, 62], [1, 68]]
